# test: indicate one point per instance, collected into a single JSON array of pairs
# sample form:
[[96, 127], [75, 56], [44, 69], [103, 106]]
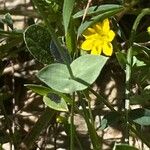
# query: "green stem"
[[127, 92], [101, 98], [129, 68], [72, 124], [96, 141], [89, 106]]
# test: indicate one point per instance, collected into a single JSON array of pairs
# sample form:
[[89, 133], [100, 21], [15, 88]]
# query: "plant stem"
[[129, 68], [89, 106], [127, 91], [72, 134], [95, 139], [101, 98]]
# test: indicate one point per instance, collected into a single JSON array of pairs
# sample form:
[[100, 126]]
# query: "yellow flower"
[[98, 39], [148, 29]]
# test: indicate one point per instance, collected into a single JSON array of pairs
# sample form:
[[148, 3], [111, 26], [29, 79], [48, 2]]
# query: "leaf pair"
[[85, 69]]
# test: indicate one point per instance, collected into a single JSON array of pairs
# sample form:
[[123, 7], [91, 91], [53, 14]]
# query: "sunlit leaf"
[[55, 102], [43, 91], [85, 68], [39, 89]]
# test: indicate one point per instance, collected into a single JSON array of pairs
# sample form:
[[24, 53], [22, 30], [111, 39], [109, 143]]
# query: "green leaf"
[[55, 102], [97, 10], [43, 91], [85, 68], [88, 67], [137, 62], [71, 41], [121, 57], [37, 40], [124, 147], [67, 11], [98, 18], [39, 89], [140, 116], [55, 53]]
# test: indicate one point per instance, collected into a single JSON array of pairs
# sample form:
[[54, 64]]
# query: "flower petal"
[[89, 32], [96, 50], [105, 26], [87, 45], [107, 49], [111, 35], [148, 29], [98, 27]]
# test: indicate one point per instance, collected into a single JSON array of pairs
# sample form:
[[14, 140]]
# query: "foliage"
[[66, 74]]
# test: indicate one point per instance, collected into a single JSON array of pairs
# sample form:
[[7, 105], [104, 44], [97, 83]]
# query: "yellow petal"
[[98, 27], [105, 26], [111, 35], [96, 50], [87, 45], [107, 49], [148, 29], [88, 33]]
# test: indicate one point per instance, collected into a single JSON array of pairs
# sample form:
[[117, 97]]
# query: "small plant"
[[74, 48]]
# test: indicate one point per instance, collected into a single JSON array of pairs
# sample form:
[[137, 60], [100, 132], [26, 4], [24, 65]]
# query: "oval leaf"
[[55, 102], [85, 68], [88, 67], [37, 40]]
